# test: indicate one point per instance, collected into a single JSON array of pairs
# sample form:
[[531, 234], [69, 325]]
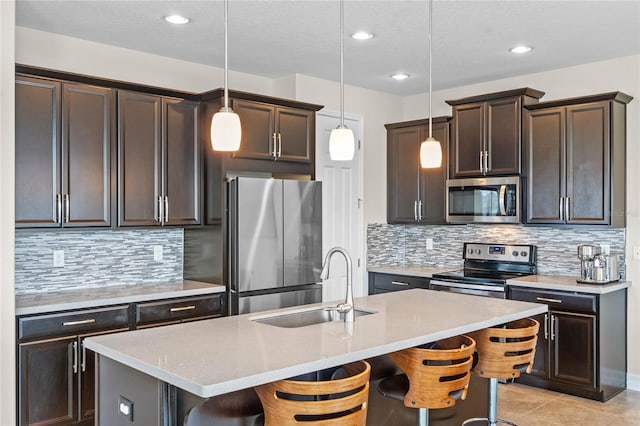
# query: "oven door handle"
[[502, 200], [496, 288]]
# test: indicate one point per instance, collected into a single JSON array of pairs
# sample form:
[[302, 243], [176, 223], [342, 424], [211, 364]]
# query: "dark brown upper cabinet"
[[414, 194], [158, 160], [63, 154], [575, 161], [486, 139]]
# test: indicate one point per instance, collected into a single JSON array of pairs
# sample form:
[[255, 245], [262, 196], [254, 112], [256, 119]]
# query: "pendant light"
[[225, 124], [341, 143], [430, 148]]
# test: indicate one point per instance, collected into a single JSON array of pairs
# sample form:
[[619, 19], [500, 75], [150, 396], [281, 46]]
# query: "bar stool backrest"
[[437, 376], [339, 402], [507, 351]]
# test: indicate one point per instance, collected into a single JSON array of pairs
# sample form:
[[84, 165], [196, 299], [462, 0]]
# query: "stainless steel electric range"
[[487, 267]]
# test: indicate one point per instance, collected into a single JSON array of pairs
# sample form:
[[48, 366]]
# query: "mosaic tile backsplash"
[[96, 258], [557, 248]]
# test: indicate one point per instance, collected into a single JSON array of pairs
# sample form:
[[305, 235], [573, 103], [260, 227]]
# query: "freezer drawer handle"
[[183, 308], [544, 299], [86, 321], [399, 283]]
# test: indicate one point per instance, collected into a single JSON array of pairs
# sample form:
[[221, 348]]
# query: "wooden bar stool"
[[436, 375], [339, 402], [504, 353]]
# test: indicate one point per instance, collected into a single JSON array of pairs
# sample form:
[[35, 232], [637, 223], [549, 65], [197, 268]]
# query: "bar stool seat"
[[435, 375], [340, 401], [504, 352]]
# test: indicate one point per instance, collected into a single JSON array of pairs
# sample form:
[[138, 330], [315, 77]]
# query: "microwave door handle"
[[501, 200]]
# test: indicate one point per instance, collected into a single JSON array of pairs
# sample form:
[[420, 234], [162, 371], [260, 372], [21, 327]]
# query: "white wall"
[[7, 132], [621, 74]]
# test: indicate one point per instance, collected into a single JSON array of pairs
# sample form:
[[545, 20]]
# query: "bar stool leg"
[[492, 419], [423, 417]]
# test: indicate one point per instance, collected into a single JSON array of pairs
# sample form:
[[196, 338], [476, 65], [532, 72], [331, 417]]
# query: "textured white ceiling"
[[276, 38]]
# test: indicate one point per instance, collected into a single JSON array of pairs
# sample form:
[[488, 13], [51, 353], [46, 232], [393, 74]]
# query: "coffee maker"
[[596, 267]]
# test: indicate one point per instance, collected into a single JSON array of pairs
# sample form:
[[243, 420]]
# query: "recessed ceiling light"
[[361, 35], [176, 19], [520, 49], [400, 76]]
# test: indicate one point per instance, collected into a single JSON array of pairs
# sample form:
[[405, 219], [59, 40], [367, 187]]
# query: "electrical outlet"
[[125, 407], [605, 248], [429, 243], [157, 253], [58, 258], [636, 253]]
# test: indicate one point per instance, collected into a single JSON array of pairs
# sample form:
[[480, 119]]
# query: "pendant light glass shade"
[[430, 154], [342, 145], [430, 148], [226, 131], [341, 141]]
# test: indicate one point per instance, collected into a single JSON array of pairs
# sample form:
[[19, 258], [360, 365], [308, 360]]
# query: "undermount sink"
[[305, 318]]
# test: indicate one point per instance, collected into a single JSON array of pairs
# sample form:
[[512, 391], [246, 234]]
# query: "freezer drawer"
[[285, 299]]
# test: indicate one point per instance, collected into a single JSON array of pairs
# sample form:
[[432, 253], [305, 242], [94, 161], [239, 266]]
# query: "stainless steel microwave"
[[483, 200]]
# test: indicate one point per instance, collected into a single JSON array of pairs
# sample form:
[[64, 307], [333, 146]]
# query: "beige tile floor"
[[528, 406]]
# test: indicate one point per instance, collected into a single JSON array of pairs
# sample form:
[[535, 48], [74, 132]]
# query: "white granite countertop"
[[550, 282], [411, 270], [110, 295], [213, 357]]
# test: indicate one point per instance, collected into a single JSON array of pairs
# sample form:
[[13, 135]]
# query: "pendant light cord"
[[226, 54], [430, 28], [342, 63]]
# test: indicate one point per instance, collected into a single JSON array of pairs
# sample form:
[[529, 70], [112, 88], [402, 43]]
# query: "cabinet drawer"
[[557, 300], [74, 322], [173, 310], [399, 282]]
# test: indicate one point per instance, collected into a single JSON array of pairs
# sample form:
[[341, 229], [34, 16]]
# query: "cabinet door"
[[542, 359], [588, 162], [139, 159], [403, 162], [433, 181], [545, 164], [503, 136], [468, 139], [38, 187], [258, 132], [86, 136], [574, 348], [295, 135], [181, 179], [47, 382]]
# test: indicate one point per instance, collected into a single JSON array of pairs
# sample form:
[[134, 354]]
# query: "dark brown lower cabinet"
[[582, 343], [384, 283]]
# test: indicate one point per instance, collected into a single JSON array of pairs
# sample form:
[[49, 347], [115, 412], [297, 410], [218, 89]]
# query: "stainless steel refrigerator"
[[275, 243]]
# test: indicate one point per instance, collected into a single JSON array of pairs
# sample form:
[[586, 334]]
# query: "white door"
[[342, 215]]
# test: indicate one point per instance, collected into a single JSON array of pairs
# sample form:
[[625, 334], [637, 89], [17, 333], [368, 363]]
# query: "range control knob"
[[523, 253], [478, 251], [470, 251], [515, 253]]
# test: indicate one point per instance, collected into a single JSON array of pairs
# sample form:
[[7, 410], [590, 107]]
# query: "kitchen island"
[[188, 363]]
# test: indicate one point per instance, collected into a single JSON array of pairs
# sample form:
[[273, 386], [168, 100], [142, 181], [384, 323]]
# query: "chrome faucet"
[[347, 307]]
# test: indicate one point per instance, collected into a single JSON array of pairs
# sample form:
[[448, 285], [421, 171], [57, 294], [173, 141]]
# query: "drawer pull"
[[87, 321], [544, 299], [399, 283], [183, 308]]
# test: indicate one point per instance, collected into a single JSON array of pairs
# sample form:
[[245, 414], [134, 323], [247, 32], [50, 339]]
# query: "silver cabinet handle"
[[399, 283], [419, 210], [274, 153], [158, 216], [58, 208], [67, 206], [83, 362], [553, 329], [486, 162], [279, 145], [86, 321], [567, 209], [182, 308], [166, 209], [561, 208], [75, 357], [415, 210], [546, 326], [481, 161], [545, 299]]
